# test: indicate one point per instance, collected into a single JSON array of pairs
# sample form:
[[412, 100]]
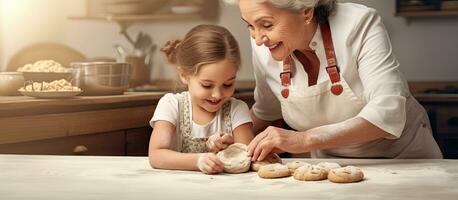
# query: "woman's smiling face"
[[280, 30]]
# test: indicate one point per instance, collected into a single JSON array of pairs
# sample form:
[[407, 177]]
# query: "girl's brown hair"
[[204, 44]]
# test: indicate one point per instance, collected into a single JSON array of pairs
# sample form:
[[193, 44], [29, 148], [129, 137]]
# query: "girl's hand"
[[275, 140], [218, 142], [208, 163]]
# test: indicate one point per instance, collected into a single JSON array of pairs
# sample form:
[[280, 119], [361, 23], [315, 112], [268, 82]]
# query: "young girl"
[[189, 127]]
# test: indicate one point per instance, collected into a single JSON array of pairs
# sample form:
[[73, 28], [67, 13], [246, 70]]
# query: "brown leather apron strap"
[[332, 69], [285, 76]]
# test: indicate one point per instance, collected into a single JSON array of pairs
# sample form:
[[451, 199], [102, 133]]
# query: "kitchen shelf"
[[437, 13], [138, 18], [209, 10], [426, 8]]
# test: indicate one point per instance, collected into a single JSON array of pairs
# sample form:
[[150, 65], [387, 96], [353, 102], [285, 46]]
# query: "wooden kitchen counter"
[[98, 125], [81, 177], [25, 119], [21, 105]]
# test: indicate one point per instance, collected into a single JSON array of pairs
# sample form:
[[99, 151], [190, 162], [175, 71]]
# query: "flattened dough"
[[276, 170], [292, 166], [235, 158], [310, 173], [348, 174], [328, 166], [270, 159]]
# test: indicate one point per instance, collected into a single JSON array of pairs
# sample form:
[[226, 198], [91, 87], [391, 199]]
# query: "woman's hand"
[[275, 140], [209, 163], [218, 142]]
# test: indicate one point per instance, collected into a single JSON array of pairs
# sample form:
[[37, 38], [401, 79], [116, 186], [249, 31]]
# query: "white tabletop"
[[73, 177]]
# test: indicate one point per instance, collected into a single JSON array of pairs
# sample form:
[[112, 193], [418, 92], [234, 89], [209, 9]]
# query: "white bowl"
[[10, 82], [185, 9]]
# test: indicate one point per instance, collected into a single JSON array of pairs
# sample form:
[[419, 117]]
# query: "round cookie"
[[270, 159], [292, 166], [328, 166], [235, 158], [310, 173], [276, 170], [348, 174]]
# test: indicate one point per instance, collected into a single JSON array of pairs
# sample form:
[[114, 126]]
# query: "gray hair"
[[322, 8]]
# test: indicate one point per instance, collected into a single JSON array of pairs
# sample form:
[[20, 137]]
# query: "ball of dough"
[[276, 170], [348, 174], [292, 166], [270, 159], [310, 173], [235, 158], [328, 166]]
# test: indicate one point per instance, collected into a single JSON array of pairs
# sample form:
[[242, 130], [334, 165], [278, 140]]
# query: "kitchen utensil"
[[150, 56], [140, 73], [144, 42], [127, 36], [138, 41], [44, 51], [10, 82], [102, 78], [121, 51]]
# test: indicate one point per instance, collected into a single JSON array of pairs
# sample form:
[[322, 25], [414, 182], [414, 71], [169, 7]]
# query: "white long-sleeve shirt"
[[365, 57]]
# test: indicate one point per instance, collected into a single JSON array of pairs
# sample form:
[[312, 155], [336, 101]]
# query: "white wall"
[[26, 21], [426, 48], [31, 21]]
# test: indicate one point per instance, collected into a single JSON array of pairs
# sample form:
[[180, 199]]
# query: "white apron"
[[310, 107], [186, 142], [307, 107]]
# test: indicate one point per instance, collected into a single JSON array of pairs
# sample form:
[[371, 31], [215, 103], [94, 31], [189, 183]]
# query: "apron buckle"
[[285, 77], [336, 89], [285, 92], [333, 72]]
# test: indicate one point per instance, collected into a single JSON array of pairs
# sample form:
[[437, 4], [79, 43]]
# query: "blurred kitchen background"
[[112, 119], [426, 46]]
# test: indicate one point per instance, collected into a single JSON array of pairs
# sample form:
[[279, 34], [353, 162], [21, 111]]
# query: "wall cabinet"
[[86, 125], [137, 141], [444, 123], [426, 8], [440, 101], [155, 10]]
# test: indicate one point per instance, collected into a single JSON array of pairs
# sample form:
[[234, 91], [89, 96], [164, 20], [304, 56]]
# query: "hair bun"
[[170, 50]]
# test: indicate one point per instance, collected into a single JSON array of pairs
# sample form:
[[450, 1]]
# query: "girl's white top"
[[167, 110]]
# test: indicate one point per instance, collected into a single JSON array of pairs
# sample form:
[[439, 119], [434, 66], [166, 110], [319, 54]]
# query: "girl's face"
[[213, 85], [278, 29]]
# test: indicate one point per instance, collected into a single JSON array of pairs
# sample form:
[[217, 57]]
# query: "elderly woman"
[[328, 70]]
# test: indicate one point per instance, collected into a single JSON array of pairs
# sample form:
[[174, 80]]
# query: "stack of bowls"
[[45, 71], [102, 78]]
